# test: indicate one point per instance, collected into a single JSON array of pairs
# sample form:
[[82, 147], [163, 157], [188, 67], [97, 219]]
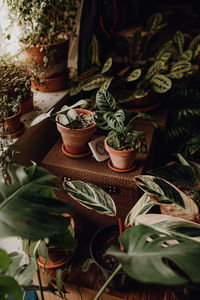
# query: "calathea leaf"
[[161, 83], [115, 120], [107, 83], [142, 206], [23, 205], [100, 121], [105, 101], [181, 66], [187, 55], [91, 196], [95, 52], [93, 83], [194, 43], [164, 49], [179, 41], [150, 261], [155, 68], [107, 65], [134, 75], [154, 20]]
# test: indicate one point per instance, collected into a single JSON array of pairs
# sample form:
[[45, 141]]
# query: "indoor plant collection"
[[44, 32]]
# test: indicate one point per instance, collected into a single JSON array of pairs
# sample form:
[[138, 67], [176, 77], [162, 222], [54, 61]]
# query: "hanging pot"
[[75, 141], [121, 160]]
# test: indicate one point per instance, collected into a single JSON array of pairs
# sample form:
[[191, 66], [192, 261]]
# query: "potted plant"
[[76, 127], [55, 228], [45, 29], [122, 142], [15, 96]]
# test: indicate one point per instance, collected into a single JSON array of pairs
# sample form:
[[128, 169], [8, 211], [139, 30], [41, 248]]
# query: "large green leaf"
[[166, 193], [91, 196], [148, 254], [142, 206], [9, 287], [4, 260], [25, 210], [105, 101]]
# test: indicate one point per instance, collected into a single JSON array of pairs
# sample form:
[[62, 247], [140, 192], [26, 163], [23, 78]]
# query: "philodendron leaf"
[[161, 83], [91, 196], [27, 193], [4, 260], [142, 206], [105, 101], [150, 261], [167, 194], [9, 287], [134, 75], [107, 65]]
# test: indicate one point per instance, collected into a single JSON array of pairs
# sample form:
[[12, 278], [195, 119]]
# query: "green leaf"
[[164, 49], [153, 21], [94, 83], [194, 43], [187, 55], [107, 65], [105, 101], [115, 120], [181, 66], [95, 52], [150, 262], [142, 206], [134, 75], [179, 41], [59, 281], [87, 264], [91, 196], [9, 286], [4, 260], [107, 83], [154, 69], [99, 120], [28, 185], [161, 83], [136, 39]]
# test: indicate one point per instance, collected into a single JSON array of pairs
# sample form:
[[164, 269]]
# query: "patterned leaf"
[[107, 83], [163, 49], [195, 42], [107, 65], [99, 120], [134, 75], [181, 67], [154, 21], [161, 83], [91, 196], [155, 68], [179, 41], [75, 90], [142, 206], [105, 101], [94, 83], [95, 52], [187, 55], [115, 120]]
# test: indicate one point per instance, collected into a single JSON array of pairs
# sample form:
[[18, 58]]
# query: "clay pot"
[[13, 126], [48, 85], [27, 105], [121, 159], [76, 140]]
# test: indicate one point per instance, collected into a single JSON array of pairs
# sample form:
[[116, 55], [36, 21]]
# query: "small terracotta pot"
[[27, 105], [76, 140], [48, 85], [121, 159], [13, 124]]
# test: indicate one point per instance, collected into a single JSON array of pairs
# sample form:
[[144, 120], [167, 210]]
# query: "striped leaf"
[[155, 68], [181, 66], [154, 21], [187, 55], [105, 101], [107, 83], [179, 41], [194, 43], [93, 83], [142, 206], [163, 49], [107, 65], [91, 196], [161, 83], [95, 52], [115, 120], [165, 56], [134, 75], [75, 90]]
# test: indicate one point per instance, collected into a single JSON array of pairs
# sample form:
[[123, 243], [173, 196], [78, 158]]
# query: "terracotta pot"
[[76, 140], [121, 159], [27, 105], [13, 125], [48, 85], [57, 55]]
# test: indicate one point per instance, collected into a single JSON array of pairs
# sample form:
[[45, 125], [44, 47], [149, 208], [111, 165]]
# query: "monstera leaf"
[[91, 196], [150, 256], [28, 207]]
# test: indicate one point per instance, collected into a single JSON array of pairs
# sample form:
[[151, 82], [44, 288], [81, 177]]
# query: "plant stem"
[[121, 229], [107, 282], [40, 284]]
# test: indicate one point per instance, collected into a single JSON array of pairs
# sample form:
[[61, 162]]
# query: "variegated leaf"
[[105, 101], [155, 68], [172, 200], [154, 21], [107, 65], [91, 196], [107, 83], [165, 56], [181, 66], [187, 55], [94, 83], [161, 83], [99, 120], [163, 49], [179, 41], [134, 75], [171, 225], [195, 42], [75, 90], [115, 120], [142, 206]]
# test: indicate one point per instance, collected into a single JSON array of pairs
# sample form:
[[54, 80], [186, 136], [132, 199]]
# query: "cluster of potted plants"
[[15, 95], [44, 32]]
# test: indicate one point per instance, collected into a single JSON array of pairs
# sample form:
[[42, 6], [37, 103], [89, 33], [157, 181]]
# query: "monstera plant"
[[29, 209]]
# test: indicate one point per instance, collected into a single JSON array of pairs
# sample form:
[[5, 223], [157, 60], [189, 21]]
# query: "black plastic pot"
[[103, 239]]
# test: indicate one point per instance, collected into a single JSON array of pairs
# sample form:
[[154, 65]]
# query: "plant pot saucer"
[[110, 165], [71, 155]]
